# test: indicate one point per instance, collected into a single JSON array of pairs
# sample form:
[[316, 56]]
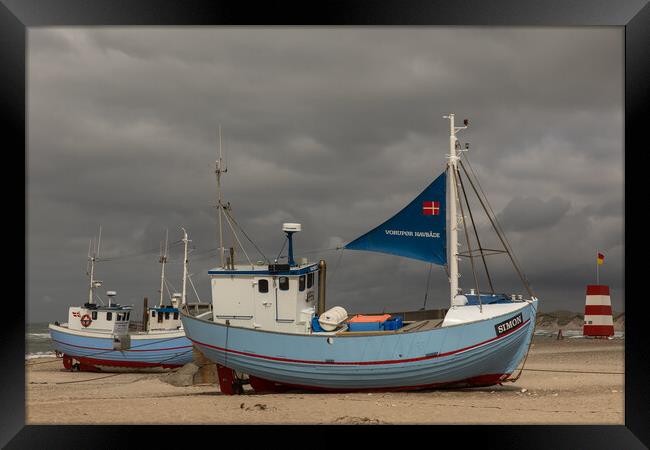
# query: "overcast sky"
[[334, 128]]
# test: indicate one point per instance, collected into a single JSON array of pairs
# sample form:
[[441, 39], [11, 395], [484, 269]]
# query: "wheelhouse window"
[[167, 315], [284, 283], [301, 283], [94, 314], [153, 313], [310, 280], [176, 315], [109, 316], [118, 317], [128, 315], [263, 286], [160, 318]]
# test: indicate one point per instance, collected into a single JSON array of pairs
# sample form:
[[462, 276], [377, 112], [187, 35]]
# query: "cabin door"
[[264, 299], [285, 299]]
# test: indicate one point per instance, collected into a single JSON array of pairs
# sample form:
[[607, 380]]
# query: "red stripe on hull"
[[598, 330], [127, 350], [362, 363], [263, 385], [597, 289], [598, 310], [92, 364]]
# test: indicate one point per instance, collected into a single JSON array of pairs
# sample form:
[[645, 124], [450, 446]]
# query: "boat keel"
[[84, 364], [261, 385], [228, 382]]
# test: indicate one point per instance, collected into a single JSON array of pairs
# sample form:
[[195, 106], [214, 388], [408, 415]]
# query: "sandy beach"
[[544, 394]]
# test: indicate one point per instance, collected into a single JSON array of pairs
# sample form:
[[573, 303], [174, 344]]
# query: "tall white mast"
[[219, 170], [163, 261], [452, 216], [185, 261], [91, 260], [92, 257]]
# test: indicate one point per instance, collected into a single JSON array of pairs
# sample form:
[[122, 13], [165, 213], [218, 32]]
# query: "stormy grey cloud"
[[334, 128], [532, 213]]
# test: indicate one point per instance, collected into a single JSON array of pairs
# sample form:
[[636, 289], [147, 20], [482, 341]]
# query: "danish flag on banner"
[[430, 208], [75, 314]]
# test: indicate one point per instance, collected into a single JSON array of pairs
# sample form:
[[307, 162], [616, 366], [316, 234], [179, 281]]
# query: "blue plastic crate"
[[366, 326], [315, 326], [394, 323]]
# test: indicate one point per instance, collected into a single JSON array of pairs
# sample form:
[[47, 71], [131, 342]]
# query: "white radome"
[[293, 227]]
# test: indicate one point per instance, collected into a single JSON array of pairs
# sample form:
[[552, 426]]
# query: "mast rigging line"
[[167, 284], [136, 254], [506, 244], [189, 277], [205, 254], [473, 253], [456, 176], [228, 215], [478, 240], [284, 242], [426, 291], [338, 263], [478, 182], [499, 233]]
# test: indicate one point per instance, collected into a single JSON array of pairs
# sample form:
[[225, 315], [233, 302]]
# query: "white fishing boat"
[[101, 337], [269, 325]]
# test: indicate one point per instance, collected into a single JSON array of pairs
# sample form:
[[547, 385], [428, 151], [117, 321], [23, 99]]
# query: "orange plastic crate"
[[360, 318]]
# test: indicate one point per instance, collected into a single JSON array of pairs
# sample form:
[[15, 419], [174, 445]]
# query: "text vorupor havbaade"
[[409, 233], [508, 325]]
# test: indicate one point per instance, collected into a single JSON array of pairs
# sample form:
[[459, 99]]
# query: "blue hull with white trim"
[[477, 352], [94, 351]]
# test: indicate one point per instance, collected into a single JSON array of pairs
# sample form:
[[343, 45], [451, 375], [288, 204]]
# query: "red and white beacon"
[[598, 312]]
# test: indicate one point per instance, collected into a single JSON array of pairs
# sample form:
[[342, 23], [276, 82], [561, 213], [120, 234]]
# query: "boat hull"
[[94, 351], [470, 354]]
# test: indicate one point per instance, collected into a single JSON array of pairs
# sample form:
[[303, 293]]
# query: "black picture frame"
[[634, 15]]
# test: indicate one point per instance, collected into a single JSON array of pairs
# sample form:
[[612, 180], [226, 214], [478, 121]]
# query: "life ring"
[[86, 320]]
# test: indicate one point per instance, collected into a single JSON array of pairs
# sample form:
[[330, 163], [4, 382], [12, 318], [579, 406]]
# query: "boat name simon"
[[508, 324], [425, 234]]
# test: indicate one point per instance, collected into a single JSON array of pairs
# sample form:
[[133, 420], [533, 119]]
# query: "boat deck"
[[420, 325]]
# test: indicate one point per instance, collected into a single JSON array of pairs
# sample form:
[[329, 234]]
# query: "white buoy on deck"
[[332, 318]]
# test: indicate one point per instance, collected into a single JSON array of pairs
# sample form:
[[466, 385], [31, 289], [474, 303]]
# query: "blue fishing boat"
[[101, 337], [269, 326]]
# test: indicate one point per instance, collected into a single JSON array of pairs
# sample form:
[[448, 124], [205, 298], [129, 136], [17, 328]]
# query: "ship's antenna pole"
[[99, 241], [91, 291], [163, 261], [452, 216], [219, 170], [91, 260], [185, 241]]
